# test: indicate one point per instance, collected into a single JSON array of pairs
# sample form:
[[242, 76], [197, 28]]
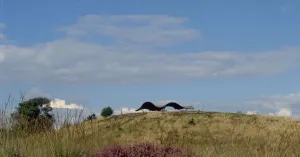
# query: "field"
[[207, 134]]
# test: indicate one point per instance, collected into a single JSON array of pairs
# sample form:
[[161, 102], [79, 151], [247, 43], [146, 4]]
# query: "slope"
[[204, 133]]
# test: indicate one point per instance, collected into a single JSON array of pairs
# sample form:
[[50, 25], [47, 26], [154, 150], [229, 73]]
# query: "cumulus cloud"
[[125, 110], [285, 112], [58, 103], [127, 60], [277, 101], [282, 105], [55, 102], [251, 112]]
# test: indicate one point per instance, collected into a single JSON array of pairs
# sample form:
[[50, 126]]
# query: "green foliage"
[[91, 117], [32, 108], [33, 115], [107, 111]]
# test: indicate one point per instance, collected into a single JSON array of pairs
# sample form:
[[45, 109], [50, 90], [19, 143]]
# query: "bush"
[[107, 111], [33, 115], [141, 150], [192, 122], [91, 117]]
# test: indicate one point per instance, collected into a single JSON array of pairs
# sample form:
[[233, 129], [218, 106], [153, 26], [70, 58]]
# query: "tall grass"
[[206, 134]]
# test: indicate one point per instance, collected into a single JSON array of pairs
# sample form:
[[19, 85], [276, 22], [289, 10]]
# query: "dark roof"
[[177, 106], [152, 107]]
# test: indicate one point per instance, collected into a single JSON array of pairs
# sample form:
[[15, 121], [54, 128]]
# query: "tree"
[[34, 115], [107, 111], [91, 117]]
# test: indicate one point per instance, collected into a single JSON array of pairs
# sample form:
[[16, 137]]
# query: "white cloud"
[[57, 103], [128, 60], [125, 110], [285, 112], [277, 101], [271, 114], [79, 62], [251, 112], [135, 29], [281, 104]]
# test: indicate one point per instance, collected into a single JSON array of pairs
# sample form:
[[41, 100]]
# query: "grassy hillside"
[[204, 133]]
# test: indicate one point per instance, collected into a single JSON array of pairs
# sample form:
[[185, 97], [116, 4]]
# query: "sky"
[[215, 55]]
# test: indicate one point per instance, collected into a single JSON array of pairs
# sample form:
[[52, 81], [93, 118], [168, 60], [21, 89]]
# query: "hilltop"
[[204, 133]]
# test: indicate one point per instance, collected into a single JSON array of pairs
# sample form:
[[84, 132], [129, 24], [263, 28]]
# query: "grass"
[[207, 134]]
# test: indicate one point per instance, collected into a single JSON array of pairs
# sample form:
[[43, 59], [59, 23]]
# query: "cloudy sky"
[[215, 55]]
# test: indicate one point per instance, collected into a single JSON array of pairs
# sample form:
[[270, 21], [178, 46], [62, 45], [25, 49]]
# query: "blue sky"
[[215, 55]]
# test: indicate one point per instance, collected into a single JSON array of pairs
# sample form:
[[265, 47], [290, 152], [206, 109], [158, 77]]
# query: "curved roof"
[[177, 106], [152, 107]]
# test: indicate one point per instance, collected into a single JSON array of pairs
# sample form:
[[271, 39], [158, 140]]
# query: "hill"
[[207, 134]]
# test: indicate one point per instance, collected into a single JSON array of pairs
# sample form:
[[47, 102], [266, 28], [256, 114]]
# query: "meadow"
[[206, 134]]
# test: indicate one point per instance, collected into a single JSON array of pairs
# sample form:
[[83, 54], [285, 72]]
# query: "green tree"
[[34, 115], [91, 117], [107, 111]]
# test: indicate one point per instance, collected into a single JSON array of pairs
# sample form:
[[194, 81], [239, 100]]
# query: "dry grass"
[[204, 133]]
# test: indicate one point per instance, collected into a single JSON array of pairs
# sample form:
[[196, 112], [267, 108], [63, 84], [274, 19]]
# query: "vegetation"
[[33, 115], [107, 111], [142, 150], [91, 117], [204, 134]]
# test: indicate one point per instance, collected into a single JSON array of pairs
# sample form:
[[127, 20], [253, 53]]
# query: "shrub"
[[107, 111], [33, 115], [91, 117], [192, 122], [141, 150]]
